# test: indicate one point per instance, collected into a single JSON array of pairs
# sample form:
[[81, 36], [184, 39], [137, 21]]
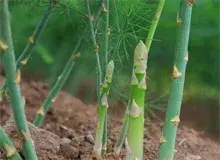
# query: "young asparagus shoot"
[[106, 34], [148, 43], [167, 142], [7, 48], [56, 88], [95, 48], [136, 109], [102, 110], [32, 41], [5, 143]]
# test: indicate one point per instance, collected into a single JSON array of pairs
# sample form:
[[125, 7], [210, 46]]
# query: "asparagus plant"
[[61, 79], [8, 147], [13, 79], [32, 41], [106, 9], [136, 110], [102, 110], [148, 43], [172, 120], [96, 49]]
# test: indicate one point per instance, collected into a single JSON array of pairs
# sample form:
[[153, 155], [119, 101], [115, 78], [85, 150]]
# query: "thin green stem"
[[167, 140], [5, 143], [13, 78], [154, 24], [96, 49], [57, 87], [102, 110], [148, 43], [62, 78], [107, 32], [32, 41]]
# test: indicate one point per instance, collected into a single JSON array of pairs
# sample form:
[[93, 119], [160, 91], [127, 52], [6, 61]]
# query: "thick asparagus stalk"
[[56, 88], [32, 41], [167, 141], [8, 147], [148, 43], [136, 111], [13, 78], [102, 109]]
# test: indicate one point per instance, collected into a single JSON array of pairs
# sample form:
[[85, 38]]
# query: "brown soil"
[[71, 125]]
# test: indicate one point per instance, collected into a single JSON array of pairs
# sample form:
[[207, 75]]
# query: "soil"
[[68, 130]]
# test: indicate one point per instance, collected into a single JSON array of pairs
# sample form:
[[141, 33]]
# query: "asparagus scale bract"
[[102, 110], [148, 43], [32, 41], [13, 79], [5, 143], [167, 141]]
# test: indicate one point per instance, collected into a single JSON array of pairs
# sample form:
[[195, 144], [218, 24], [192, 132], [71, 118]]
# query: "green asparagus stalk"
[[8, 147], [167, 140], [102, 109], [32, 41], [56, 88], [106, 10], [13, 79], [61, 79], [136, 111], [148, 43], [96, 49]]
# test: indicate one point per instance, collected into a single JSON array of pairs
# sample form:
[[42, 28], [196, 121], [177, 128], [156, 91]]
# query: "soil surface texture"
[[69, 128]]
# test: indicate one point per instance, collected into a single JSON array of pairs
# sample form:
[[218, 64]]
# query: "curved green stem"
[[154, 24], [5, 143], [13, 78], [167, 141], [32, 41], [148, 43]]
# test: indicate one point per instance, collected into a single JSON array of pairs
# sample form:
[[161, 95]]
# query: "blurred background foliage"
[[129, 22]]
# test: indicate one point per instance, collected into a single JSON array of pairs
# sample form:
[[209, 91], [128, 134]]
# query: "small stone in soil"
[[69, 151], [89, 138], [65, 141]]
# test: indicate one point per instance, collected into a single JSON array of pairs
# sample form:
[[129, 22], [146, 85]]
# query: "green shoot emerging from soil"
[[148, 43], [136, 106], [102, 109]]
